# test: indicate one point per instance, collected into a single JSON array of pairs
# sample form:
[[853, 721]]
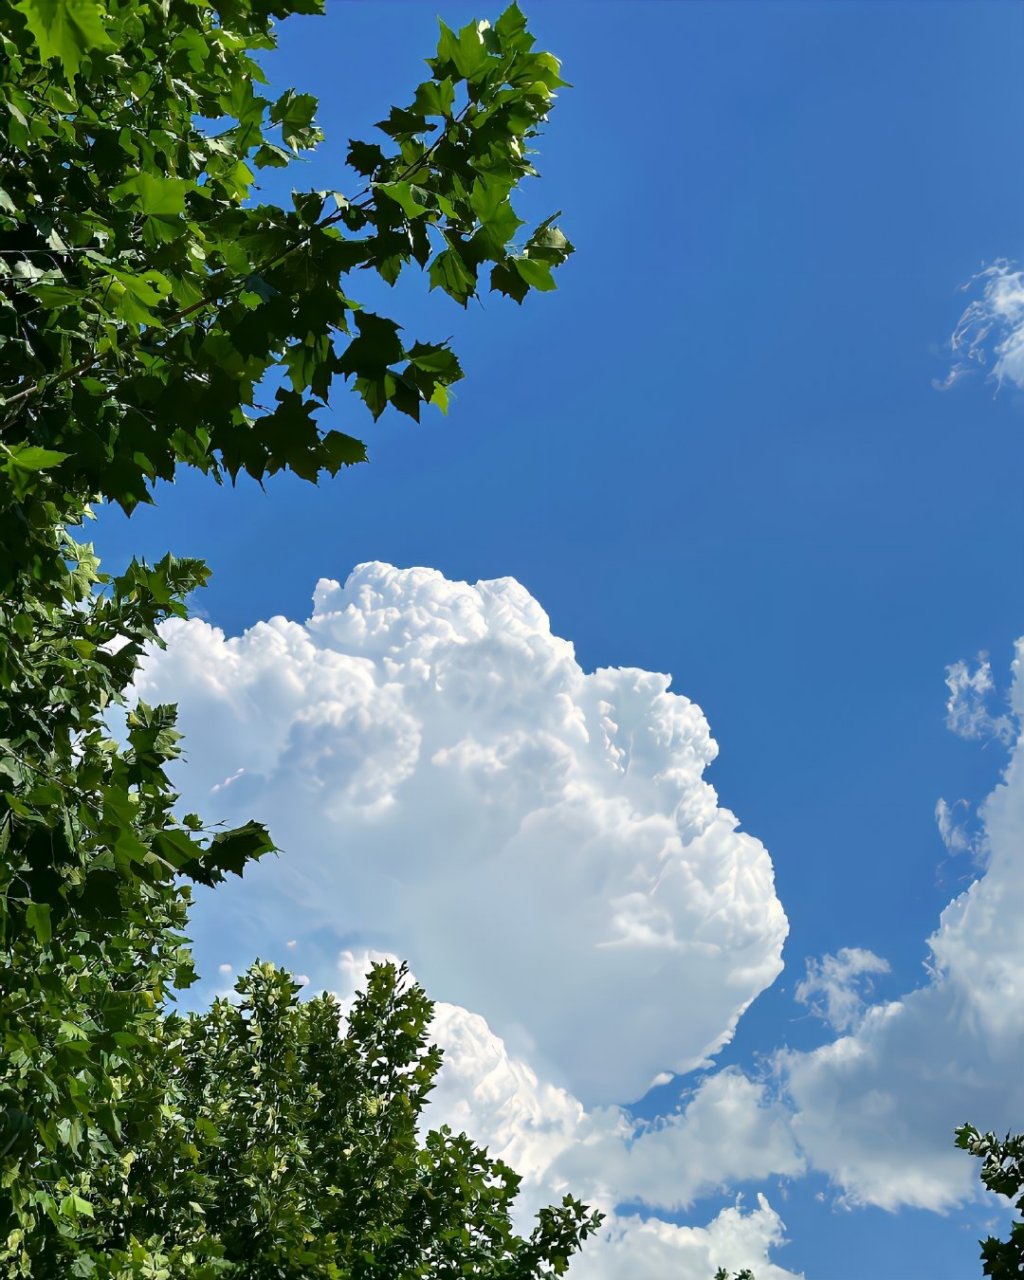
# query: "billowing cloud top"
[[447, 783]]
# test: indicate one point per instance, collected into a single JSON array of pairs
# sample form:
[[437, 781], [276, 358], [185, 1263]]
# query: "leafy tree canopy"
[[308, 1159]]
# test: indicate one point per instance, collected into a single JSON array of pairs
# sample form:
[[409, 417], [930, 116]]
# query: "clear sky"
[[718, 452]]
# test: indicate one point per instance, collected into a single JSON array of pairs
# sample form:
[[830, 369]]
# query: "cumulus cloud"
[[728, 1130], [448, 783], [991, 328], [638, 1249], [877, 1107], [835, 987], [542, 845]]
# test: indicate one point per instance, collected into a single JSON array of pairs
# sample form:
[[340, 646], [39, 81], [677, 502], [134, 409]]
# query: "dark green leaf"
[[449, 272]]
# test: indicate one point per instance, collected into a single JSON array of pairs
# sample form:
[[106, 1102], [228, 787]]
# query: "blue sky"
[[718, 452]]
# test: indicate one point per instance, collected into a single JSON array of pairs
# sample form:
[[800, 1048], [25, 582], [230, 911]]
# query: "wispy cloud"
[[835, 987], [990, 332], [958, 829], [968, 713]]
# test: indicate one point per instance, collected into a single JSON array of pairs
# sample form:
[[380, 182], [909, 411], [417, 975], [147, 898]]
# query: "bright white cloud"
[[991, 328], [835, 987], [876, 1109], [542, 845], [635, 1249], [728, 1131], [448, 783]]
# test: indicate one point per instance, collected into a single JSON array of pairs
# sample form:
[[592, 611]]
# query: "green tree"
[[308, 1159], [148, 309], [1002, 1171]]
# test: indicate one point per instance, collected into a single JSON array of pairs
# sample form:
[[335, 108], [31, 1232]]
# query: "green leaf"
[[466, 50], [403, 194], [488, 196], [505, 279], [271, 156], [450, 273], [435, 98], [156, 193], [37, 917], [403, 124], [435, 359], [377, 346], [511, 31], [66, 29], [17, 1130], [341, 450], [536, 274], [294, 112], [548, 243], [74, 1206], [489, 201], [364, 157], [32, 457], [229, 853]]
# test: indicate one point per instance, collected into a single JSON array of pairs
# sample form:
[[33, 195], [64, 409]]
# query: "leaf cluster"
[[92, 904], [1002, 1171], [153, 314]]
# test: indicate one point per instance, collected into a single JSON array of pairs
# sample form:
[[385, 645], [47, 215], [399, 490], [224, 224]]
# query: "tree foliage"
[[153, 315], [302, 1157], [1002, 1171]]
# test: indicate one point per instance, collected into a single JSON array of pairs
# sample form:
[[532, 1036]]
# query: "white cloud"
[[542, 845], [729, 1130], [957, 833], [876, 1109], [835, 986], [448, 783], [992, 327], [635, 1249], [967, 706]]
